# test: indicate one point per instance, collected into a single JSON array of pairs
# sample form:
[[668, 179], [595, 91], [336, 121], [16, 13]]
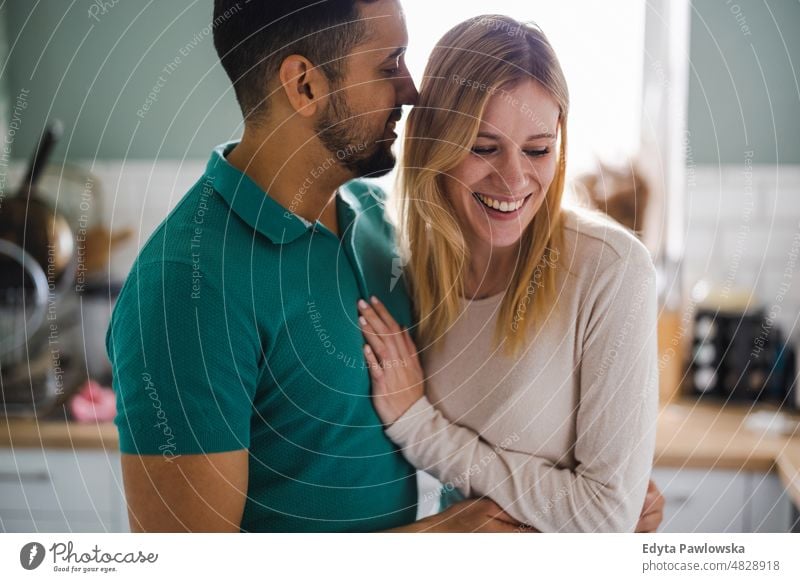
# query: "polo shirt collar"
[[248, 201]]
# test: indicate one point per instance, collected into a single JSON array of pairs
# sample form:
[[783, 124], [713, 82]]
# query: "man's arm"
[[206, 493], [196, 493], [185, 375], [470, 516]]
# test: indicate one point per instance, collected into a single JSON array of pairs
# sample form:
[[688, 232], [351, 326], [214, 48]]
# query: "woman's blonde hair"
[[477, 59]]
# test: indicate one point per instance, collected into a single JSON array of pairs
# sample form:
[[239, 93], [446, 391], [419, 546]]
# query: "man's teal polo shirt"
[[238, 329]]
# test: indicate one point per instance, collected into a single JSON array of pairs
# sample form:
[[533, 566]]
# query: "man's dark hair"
[[253, 39]]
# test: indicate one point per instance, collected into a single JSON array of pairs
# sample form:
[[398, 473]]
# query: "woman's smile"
[[501, 207]]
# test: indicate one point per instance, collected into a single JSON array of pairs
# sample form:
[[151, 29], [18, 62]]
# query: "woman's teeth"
[[502, 206]]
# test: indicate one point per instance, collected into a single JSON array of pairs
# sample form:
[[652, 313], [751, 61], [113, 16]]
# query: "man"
[[243, 398]]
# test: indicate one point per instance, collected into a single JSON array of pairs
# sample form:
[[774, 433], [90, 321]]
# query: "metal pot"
[[29, 222], [26, 373]]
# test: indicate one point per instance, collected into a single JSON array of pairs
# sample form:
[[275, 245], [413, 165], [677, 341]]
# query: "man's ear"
[[305, 85]]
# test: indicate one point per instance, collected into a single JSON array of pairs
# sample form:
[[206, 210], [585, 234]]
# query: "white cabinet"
[[700, 500], [61, 491], [769, 504]]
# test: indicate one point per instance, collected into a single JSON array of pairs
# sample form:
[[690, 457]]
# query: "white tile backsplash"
[[139, 195], [745, 237], [780, 194]]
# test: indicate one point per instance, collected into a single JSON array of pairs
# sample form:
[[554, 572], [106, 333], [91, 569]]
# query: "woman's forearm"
[[595, 496]]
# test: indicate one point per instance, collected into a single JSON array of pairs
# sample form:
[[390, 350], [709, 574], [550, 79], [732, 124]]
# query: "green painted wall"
[[93, 68], [95, 71], [743, 89]]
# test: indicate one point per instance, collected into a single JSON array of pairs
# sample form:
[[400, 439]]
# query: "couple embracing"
[[309, 355]]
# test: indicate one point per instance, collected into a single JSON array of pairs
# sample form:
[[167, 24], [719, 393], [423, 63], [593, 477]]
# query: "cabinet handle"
[[679, 498], [36, 476]]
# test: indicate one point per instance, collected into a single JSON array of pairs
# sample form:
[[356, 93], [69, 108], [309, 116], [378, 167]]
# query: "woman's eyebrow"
[[489, 135]]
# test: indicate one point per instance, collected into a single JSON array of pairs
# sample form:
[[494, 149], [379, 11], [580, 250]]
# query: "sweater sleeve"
[[615, 424]]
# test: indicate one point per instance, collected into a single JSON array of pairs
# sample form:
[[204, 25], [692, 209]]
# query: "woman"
[[536, 323]]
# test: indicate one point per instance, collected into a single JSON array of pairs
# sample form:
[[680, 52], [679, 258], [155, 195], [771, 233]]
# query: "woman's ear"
[[304, 84]]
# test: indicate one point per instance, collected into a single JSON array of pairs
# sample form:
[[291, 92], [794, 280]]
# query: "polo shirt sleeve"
[[185, 363]]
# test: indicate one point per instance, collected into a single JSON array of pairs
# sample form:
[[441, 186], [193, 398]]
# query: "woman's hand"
[[653, 511], [397, 377]]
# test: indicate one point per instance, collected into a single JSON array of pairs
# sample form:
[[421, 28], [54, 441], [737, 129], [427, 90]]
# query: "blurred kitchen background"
[[685, 126]]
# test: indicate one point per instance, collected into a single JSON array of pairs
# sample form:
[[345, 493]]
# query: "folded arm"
[[615, 421]]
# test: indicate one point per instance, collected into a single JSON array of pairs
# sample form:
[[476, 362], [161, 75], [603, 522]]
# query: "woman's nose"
[[515, 173]]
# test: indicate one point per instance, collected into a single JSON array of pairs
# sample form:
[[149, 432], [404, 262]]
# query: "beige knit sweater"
[[561, 437]]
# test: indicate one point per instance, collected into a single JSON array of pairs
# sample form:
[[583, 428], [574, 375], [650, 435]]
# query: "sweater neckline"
[[492, 300]]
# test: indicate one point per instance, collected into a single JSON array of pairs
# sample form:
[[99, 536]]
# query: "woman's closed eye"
[[486, 151]]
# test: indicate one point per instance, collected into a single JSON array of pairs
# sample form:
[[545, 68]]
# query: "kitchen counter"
[[690, 435], [706, 436], [57, 434], [788, 466]]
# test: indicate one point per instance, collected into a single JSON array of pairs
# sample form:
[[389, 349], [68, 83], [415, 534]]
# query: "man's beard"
[[346, 138]]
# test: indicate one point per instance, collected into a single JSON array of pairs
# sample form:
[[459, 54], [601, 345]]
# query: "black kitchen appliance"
[[741, 356]]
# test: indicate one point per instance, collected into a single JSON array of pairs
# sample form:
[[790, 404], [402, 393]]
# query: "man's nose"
[[407, 94]]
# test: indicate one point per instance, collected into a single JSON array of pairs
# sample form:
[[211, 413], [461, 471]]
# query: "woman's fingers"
[[649, 523], [377, 378], [375, 370], [390, 341], [373, 339], [373, 317], [386, 317], [653, 510], [411, 348]]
